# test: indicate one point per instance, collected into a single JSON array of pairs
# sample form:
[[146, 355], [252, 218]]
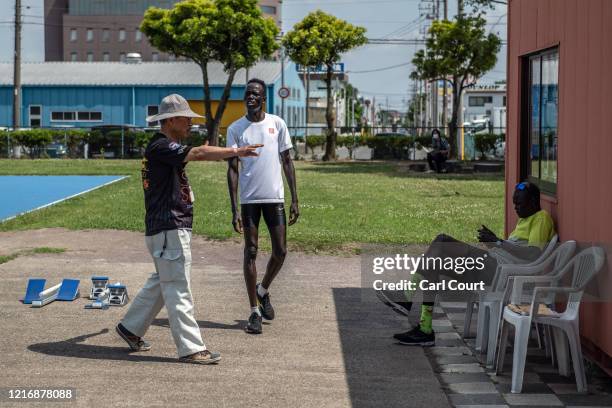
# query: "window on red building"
[[540, 110]]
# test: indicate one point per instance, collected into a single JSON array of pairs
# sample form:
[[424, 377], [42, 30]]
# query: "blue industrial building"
[[86, 94]]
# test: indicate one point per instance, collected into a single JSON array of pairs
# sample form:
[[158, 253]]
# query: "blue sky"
[[33, 33], [381, 18], [386, 19]]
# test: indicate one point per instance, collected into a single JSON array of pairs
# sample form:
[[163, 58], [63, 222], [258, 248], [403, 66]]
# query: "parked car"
[[390, 134], [56, 150], [500, 149]]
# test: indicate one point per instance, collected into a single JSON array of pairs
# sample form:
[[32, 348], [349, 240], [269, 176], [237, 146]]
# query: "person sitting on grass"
[[438, 156], [534, 229]]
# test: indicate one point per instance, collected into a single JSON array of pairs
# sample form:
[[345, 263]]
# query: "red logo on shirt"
[[271, 130]]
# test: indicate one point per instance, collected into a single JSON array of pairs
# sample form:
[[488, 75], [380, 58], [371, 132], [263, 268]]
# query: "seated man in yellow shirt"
[[535, 228]]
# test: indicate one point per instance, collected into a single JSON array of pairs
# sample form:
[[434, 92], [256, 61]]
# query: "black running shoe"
[[136, 343], [254, 324], [416, 337], [402, 308], [265, 307]]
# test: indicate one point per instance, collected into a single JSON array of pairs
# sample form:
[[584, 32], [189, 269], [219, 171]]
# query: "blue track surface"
[[20, 194]]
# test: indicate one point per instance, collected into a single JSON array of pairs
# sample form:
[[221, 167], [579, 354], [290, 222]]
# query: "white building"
[[486, 102], [318, 103]]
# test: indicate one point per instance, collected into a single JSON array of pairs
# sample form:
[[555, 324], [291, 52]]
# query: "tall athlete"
[[261, 193]]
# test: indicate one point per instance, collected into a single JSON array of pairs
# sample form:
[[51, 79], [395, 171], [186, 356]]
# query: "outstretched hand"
[[486, 235], [249, 151], [294, 213]]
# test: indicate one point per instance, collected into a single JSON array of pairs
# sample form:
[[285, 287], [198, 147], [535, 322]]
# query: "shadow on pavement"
[[378, 371], [205, 324], [74, 348]]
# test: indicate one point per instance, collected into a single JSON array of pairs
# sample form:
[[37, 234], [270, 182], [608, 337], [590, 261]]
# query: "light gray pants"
[[169, 286]]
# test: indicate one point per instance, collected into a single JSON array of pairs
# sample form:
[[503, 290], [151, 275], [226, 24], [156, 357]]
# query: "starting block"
[[98, 287], [118, 295], [101, 302], [38, 296], [105, 295], [35, 286]]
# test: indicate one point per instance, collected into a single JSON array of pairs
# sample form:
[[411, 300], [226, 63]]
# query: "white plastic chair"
[[502, 257], [490, 305], [583, 267], [505, 257]]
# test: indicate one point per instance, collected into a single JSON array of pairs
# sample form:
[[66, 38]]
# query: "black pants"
[[436, 161], [445, 246], [273, 213]]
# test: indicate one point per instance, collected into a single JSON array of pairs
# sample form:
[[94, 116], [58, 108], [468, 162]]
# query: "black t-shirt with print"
[[168, 197]]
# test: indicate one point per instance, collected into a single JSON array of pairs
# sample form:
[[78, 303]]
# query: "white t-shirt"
[[260, 179]]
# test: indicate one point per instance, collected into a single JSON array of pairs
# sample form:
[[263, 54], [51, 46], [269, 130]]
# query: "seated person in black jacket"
[[439, 154]]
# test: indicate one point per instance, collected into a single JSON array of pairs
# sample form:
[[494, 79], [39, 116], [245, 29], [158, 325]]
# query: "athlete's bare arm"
[[289, 170], [232, 185]]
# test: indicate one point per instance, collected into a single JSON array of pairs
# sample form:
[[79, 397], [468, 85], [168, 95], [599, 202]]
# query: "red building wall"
[[582, 208]]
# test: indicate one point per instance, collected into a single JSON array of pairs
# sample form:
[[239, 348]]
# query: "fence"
[[405, 143], [112, 142], [106, 142]]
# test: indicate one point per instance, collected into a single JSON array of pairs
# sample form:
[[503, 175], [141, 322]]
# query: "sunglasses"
[[521, 186]]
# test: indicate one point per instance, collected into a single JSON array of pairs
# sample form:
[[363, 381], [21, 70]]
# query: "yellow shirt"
[[536, 230]]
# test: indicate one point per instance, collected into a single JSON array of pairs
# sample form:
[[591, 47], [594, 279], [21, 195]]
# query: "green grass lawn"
[[341, 204]]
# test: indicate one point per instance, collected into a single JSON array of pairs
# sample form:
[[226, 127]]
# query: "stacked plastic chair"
[[582, 268], [490, 306], [503, 258]]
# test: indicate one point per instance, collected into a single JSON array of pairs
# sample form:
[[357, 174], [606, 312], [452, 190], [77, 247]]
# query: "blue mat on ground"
[[69, 290], [35, 286], [21, 194]]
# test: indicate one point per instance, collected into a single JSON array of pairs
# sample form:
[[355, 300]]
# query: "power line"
[[349, 2], [498, 22], [384, 93], [400, 29], [405, 41], [362, 21], [379, 69]]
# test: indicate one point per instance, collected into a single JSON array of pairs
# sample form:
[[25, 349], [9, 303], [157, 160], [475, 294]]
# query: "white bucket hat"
[[172, 106]]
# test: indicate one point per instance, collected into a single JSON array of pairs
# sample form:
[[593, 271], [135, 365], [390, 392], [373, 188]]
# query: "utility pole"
[[459, 126], [421, 118], [307, 100], [352, 112], [434, 85], [428, 10], [444, 92], [387, 115], [282, 57], [17, 68]]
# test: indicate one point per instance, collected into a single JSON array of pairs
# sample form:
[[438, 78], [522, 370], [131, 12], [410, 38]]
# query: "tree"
[[319, 40], [412, 117], [232, 32], [352, 93], [34, 140], [481, 5], [459, 52]]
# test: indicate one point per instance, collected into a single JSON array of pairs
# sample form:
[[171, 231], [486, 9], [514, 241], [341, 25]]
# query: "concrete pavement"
[[329, 346]]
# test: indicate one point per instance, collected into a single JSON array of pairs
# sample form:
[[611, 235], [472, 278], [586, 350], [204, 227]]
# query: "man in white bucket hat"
[[169, 215]]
